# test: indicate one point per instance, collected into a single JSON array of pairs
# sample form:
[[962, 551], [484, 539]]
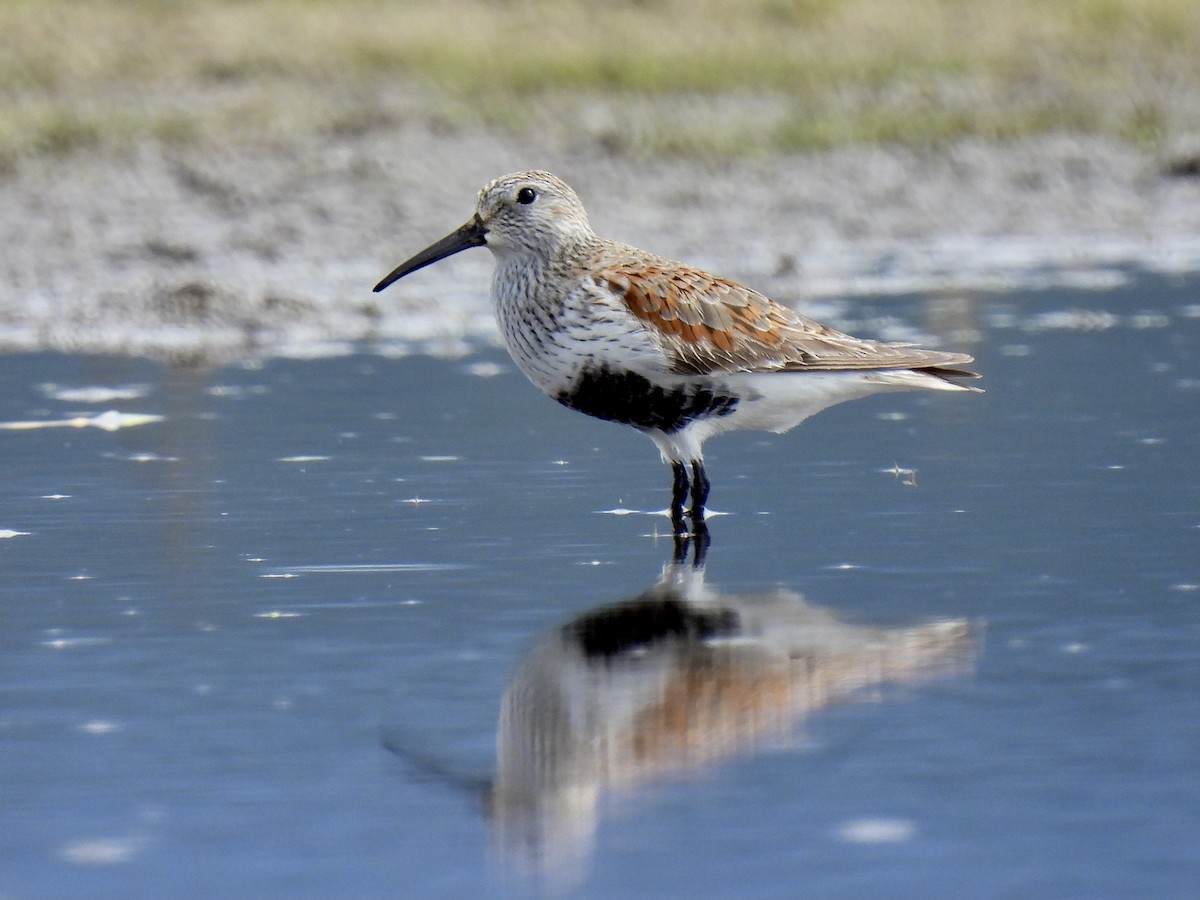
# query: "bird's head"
[[529, 214]]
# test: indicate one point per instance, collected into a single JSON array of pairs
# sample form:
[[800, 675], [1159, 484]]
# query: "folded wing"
[[708, 325]]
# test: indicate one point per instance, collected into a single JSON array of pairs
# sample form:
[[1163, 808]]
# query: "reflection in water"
[[678, 677]]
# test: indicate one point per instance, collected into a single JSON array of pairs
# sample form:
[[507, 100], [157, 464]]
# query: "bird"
[[667, 348]]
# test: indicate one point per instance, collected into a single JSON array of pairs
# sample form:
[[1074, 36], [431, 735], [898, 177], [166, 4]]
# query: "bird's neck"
[[549, 251]]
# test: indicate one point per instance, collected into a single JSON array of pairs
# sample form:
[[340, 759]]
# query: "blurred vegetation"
[[642, 76]]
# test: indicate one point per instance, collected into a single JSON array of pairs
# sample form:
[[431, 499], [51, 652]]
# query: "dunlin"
[[675, 352]]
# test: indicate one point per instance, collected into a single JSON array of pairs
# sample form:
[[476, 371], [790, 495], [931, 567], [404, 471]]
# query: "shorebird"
[[667, 348]]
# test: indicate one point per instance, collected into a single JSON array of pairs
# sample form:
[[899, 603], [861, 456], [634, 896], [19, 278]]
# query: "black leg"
[[679, 492], [699, 496]]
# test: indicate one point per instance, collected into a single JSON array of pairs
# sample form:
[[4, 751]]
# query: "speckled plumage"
[[669, 349]]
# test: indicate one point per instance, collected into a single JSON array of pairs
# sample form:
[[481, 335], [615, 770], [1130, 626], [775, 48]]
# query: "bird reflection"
[[674, 679]]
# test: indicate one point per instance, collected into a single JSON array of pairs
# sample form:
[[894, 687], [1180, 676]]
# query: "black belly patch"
[[611, 632], [635, 400]]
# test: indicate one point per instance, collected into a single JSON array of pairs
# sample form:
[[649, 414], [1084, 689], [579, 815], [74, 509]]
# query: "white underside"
[[779, 401]]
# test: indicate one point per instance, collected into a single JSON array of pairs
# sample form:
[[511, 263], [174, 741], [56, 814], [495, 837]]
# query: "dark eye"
[[526, 195]]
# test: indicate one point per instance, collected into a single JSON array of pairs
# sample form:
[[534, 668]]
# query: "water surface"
[[259, 647]]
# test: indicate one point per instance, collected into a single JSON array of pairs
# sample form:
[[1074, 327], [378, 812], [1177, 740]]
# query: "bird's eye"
[[526, 195]]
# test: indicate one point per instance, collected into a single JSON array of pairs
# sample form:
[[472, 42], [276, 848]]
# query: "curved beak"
[[473, 234]]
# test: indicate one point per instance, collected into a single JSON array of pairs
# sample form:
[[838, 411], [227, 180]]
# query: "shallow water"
[[259, 647]]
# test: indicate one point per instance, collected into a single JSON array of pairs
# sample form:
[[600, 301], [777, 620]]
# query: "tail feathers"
[[938, 378], [946, 373]]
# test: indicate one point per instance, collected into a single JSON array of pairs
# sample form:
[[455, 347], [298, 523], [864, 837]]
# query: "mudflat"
[[272, 247]]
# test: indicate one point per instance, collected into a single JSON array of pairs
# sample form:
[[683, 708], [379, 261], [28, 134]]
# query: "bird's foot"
[[678, 520], [697, 541], [683, 483]]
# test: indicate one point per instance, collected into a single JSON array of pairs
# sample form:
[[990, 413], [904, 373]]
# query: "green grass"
[[762, 75]]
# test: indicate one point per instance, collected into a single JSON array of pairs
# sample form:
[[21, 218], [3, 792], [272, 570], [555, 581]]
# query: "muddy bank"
[[264, 250]]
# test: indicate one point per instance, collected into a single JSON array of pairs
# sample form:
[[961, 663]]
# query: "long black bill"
[[473, 234]]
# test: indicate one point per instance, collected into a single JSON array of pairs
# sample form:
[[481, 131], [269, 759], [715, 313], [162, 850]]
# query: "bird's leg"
[[699, 496], [679, 492]]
